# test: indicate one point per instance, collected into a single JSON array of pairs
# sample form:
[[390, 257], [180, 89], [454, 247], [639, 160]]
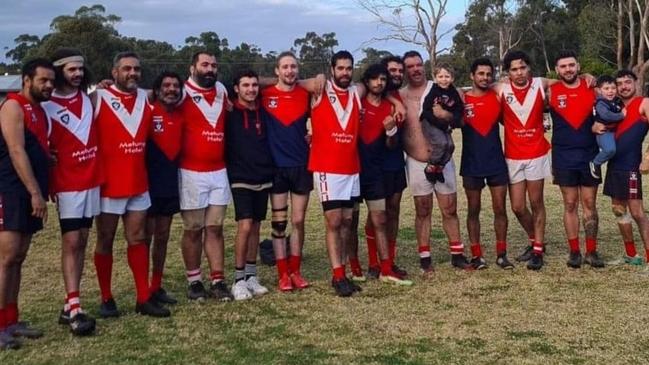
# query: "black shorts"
[[623, 185], [373, 191], [335, 204], [74, 224], [250, 204], [296, 180], [164, 206], [16, 213], [479, 182], [394, 182], [574, 177]]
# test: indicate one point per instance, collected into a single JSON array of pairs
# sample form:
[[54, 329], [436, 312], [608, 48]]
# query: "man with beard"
[[573, 147], [287, 105], [250, 172], [123, 116], [162, 150], [203, 180], [394, 176], [24, 160], [335, 164], [75, 178], [418, 151], [483, 162], [378, 132], [623, 181]]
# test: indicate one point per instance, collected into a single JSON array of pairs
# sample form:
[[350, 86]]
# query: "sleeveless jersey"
[[204, 127], [162, 151], [288, 111], [73, 135], [393, 157], [123, 121], [35, 123], [523, 120], [573, 143], [629, 135], [482, 150], [335, 120], [371, 141]]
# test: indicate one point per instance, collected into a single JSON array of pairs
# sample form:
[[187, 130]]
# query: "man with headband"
[[75, 177]]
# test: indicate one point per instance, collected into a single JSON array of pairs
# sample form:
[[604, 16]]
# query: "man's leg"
[[161, 230], [590, 221], [535, 195], [499, 207], [518, 201], [10, 247], [244, 229], [624, 220], [392, 211], [191, 245], [333, 217], [423, 211], [451, 225], [474, 198], [106, 228], [349, 232], [213, 245], [640, 217], [279, 221], [299, 203], [570, 196]]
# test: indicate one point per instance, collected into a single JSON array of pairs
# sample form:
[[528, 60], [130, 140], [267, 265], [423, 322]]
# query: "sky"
[[272, 25]]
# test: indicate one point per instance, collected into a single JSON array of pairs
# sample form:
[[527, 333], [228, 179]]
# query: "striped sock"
[[537, 248], [456, 247], [193, 275], [74, 303], [216, 276], [425, 260]]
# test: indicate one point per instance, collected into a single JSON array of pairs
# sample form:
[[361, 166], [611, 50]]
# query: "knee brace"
[[624, 218], [279, 221], [619, 210]]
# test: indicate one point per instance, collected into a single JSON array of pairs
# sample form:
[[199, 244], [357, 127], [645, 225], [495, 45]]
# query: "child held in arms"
[[609, 111]]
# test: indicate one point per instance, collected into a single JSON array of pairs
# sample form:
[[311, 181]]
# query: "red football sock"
[[647, 254], [501, 248], [476, 250], [339, 272], [138, 261], [456, 247], [216, 276], [629, 247], [537, 248], [282, 267], [573, 243], [104, 267], [156, 281], [294, 263], [372, 256], [591, 245], [424, 251], [355, 266], [386, 267], [11, 313], [392, 246], [3, 319], [73, 303]]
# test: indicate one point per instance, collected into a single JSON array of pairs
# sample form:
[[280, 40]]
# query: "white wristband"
[[392, 131]]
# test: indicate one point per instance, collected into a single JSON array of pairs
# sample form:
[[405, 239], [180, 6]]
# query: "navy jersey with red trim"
[[482, 150], [573, 142], [371, 141], [393, 157], [36, 126], [629, 135], [163, 150], [288, 112]]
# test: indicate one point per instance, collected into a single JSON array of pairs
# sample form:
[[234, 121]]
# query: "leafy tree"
[[314, 52]]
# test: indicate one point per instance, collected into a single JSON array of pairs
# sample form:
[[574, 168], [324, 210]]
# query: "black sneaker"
[[526, 255], [478, 263], [342, 287], [355, 287], [594, 260], [152, 308], [82, 325], [23, 329], [460, 262], [574, 260], [535, 262], [64, 317], [373, 272], [196, 291], [8, 342], [401, 273], [595, 171], [108, 309], [504, 263], [219, 291], [161, 296]]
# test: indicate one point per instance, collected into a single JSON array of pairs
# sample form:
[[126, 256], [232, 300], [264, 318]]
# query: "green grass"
[[554, 316]]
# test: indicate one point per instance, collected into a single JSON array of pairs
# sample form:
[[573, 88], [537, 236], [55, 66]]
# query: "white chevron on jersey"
[[523, 111], [131, 121], [342, 115], [78, 127], [211, 112]]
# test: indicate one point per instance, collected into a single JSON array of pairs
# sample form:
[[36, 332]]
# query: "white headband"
[[65, 60]]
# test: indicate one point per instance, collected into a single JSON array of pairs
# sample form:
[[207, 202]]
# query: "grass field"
[[554, 316]]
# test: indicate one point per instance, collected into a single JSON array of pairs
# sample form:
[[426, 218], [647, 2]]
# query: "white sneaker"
[[240, 291], [254, 287]]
